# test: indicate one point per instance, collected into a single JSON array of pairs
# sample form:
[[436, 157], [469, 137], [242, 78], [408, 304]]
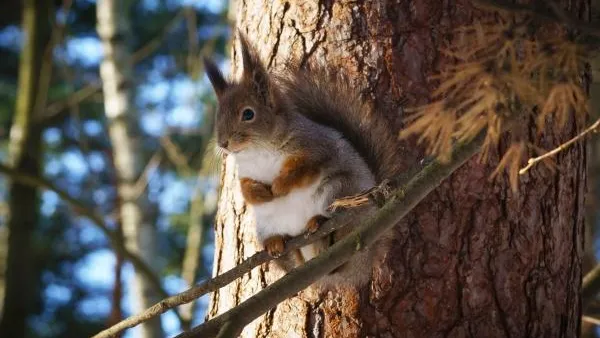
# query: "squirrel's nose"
[[224, 144]]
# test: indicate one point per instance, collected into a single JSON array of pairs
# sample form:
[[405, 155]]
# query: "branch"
[[220, 281], [421, 184], [192, 257], [398, 204], [590, 286], [546, 10], [591, 320], [54, 110], [532, 161], [115, 241]]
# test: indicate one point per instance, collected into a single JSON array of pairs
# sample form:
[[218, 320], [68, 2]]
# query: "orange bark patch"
[[297, 172], [255, 192]]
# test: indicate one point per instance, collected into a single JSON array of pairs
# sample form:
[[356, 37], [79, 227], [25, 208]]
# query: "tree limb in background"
[[192, 257], [118, 87], [532, 161], [590, 286], [55, 110], [113, 237], [399, 203]]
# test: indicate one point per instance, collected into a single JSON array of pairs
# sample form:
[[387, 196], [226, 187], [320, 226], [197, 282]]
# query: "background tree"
[[25, 156], [116, 72], [78, 280], [476, 257]]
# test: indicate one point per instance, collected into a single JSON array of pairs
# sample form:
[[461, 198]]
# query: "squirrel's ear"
[[215, 76], [254, 71]]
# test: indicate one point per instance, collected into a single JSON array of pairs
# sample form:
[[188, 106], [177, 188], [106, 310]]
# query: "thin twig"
[[591, 320], [55, 108], [192, 257], [142, 181], [532, 161], [153, 44], [45, 74], [175, 156], [590, 286]]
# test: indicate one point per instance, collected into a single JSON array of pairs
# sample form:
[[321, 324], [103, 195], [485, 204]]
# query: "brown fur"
[[274, 245], [297, 171], [255, 192], [315, 223], [331, 100]]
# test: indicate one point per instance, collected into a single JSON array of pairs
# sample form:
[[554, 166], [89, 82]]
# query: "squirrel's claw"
[[315, 223], [275, 245]]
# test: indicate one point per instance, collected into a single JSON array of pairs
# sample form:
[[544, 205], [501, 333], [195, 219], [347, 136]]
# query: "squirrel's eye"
[[247, 115]]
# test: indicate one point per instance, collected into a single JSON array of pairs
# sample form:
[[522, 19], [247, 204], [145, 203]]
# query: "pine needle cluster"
[[502, 71]]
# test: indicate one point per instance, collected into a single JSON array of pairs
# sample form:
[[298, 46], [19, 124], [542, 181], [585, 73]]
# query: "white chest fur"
[[259, 164], [287, 215]]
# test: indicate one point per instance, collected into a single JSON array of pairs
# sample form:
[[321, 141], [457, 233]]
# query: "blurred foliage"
[[72, 299]]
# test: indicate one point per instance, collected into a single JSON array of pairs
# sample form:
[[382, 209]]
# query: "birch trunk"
[[118, 85], [20, 279], [476, 260]]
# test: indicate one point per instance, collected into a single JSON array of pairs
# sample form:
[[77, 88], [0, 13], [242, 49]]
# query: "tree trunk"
[[116, 71], [25, 151], [473, 259]]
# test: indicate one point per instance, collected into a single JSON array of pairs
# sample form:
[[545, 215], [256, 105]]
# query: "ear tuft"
[[215, 76], [254, 71]]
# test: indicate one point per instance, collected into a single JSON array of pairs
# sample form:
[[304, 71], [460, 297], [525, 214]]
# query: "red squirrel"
[[301, 138]]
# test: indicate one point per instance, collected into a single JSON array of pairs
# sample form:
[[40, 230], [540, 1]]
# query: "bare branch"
[[114, 238], [175, 156], [591, 320], [590, 286], [192, 257], [55, 109], [142, 181], [532, 161], [220, 281]]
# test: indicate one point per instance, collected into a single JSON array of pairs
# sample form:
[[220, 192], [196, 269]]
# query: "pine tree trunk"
[[116, 71], [20, 289], [474, 259]]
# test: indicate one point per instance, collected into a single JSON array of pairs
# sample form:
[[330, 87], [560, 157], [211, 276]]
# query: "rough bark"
[[116, 71], [593, 195], [477, 259], [25, 151]]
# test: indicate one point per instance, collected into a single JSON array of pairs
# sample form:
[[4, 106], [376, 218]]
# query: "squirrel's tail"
[[332, 101]]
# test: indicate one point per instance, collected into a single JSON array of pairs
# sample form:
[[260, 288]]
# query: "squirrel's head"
[[246, 113]]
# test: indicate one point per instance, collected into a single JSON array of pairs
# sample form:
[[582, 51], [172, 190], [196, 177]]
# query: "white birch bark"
[[116, 72]]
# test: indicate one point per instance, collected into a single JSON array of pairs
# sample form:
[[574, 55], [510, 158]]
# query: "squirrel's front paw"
[[280, 187], [274, 245], [315, 223], [255, 192]]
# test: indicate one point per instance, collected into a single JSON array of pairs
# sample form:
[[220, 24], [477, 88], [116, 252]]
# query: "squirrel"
[[301, 139]]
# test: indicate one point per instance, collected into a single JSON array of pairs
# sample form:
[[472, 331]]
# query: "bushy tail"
[[331, 101]]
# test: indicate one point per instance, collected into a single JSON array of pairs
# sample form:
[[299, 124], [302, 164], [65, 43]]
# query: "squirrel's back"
[[331, 101]]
